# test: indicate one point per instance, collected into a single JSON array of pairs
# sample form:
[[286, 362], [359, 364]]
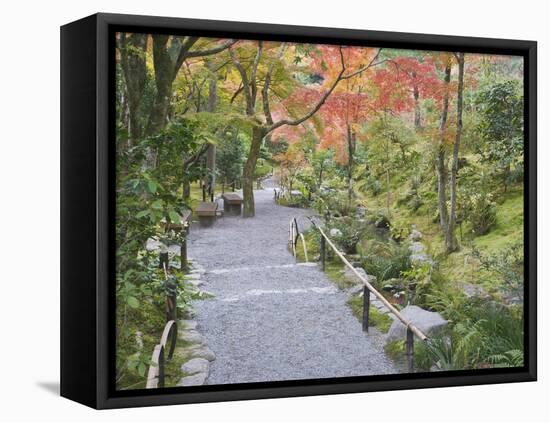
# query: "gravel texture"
[[272, 319]]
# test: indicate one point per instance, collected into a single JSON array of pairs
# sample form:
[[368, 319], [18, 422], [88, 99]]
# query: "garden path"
[[272, 319]]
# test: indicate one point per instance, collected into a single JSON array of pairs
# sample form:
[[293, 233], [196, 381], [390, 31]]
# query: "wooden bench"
[[206, 212], [232, 204]]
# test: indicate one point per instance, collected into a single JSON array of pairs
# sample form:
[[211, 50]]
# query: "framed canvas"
[[257, 211]]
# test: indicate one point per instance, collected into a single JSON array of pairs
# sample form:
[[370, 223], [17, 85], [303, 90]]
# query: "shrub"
[[482, 214], [385, 260], [352, 231], [507, 266]]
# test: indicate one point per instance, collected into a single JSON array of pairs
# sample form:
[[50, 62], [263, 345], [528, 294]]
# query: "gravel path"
[[272, 319]]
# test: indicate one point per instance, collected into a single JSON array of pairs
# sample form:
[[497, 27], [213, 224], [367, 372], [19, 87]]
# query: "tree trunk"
[[350, 136], [416, 95], [441, 165], [132, 50], [164, 77], [452, 244], [211, 152], [258, 134]]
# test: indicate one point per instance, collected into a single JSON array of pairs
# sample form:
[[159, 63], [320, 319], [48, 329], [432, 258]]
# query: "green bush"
[[385, 260], [482, 214], [352, 232]]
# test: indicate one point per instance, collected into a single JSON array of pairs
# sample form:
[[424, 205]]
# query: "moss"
[[379, 320], [395, 349]]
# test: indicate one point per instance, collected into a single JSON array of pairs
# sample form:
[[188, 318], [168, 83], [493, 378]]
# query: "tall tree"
[[441, 161], [261, 127], [169, 54], [450, 235], [447, 216]]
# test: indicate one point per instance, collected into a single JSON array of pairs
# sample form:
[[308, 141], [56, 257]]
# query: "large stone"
[[191, 336], [335, 233], [356, 289], [428, 322], [417, 248], [415, 235], [471, 290], [196, 365], [193, 380], [419, 256], [201, 351], [350, 277], [188, 324]]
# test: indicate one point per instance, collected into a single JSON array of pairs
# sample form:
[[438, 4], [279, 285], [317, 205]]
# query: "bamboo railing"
[[412, 330], [293, 235], [155, 376]]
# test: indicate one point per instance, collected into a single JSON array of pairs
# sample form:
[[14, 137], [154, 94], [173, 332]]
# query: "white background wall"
[[29, 198]]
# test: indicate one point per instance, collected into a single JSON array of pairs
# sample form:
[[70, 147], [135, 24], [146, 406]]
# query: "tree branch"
[[253, 82], [267, 82], [364, 68], [246, 83], [186, 45], [317, 106], [214, 50]]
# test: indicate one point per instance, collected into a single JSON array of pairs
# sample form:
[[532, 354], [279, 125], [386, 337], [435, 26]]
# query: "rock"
[[192, 276], [361, 211], [420, 259], [206, 294], [193, 380], [195, 282], [419, 255], [200, 351], [415, 235], [356, 289], [191, 336], [471, 290], [350, 277], [334, 232], [196, 365], [428, 322], [417, 248], [187, 324]]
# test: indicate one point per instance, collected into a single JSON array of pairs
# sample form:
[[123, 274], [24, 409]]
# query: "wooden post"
[[171, 307], [163, 260], [203, 193], [161, 368], [323, 252], [409, 350], [366, 308]]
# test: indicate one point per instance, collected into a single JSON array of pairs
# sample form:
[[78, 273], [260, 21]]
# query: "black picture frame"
[[87, 201]]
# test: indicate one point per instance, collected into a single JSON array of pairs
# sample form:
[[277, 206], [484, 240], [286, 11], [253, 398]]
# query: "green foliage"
[[377, 319], [351, 233], [230, 157], [501, 127], [507, 266], [385, 260]]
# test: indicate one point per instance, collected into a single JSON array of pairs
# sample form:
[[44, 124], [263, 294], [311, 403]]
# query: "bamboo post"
[[409, 350], [163, 260], [410, 326], [366, 308]]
